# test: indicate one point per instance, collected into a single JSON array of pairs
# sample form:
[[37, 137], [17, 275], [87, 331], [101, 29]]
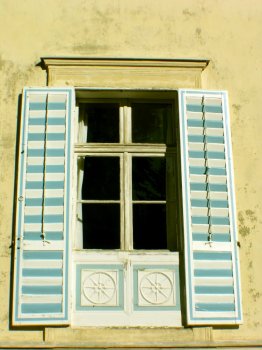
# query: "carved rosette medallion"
[[99, 288], [156, 288]]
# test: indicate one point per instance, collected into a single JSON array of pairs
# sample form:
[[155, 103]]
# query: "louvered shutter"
[[210, 230], [43, 207]]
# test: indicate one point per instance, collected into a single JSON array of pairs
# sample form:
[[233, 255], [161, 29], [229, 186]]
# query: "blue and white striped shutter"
[[43, 208], [210, 230]]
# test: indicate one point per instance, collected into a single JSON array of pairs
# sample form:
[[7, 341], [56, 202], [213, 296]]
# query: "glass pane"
[[101, 226], [149, 122], [149, 226], [101, 178], [102, 120], [149, 178]]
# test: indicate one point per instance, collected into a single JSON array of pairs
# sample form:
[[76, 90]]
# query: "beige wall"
[[228, 32]]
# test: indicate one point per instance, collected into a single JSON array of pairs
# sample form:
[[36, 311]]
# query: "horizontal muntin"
[[212, 220], [117, 147], [215, 132]]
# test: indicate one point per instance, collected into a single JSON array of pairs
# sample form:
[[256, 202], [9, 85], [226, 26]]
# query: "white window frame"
[[126, 150]]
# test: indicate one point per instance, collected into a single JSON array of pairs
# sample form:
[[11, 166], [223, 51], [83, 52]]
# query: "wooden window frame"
[[126, 150]]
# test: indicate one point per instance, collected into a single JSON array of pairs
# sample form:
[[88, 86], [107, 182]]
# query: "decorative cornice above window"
[[124, 73]]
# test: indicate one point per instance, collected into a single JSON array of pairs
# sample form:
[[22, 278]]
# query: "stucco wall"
[[228, 32]]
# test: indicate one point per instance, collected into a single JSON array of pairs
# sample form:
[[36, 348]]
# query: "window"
[[126, 175], [121, 278]]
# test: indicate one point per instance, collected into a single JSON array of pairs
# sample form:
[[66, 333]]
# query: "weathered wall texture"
[[228, 32]]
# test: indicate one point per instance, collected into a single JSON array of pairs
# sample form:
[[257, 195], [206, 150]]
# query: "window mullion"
[[128, 239], [127, 123]]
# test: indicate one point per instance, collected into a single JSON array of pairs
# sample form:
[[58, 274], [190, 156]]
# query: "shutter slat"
[[43, 210], [211, 253]]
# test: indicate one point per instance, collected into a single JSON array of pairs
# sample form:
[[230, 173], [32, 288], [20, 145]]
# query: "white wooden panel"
[[55, 264], [215, 246], [199, 211], [48, 193], [213, 116], [217, 229], [224, 212], [57, 97], [48, 160], [56, 113], [214, 298], [48, 177], [42, 281], [37, 114], [194, 100], [51, 210], [212, 264], [195, 115], [40, 98], [48, 227], [41, 245], [212, 101], [48, 144], [213, 281], [42, 299], [60, 129], [200, 146]]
